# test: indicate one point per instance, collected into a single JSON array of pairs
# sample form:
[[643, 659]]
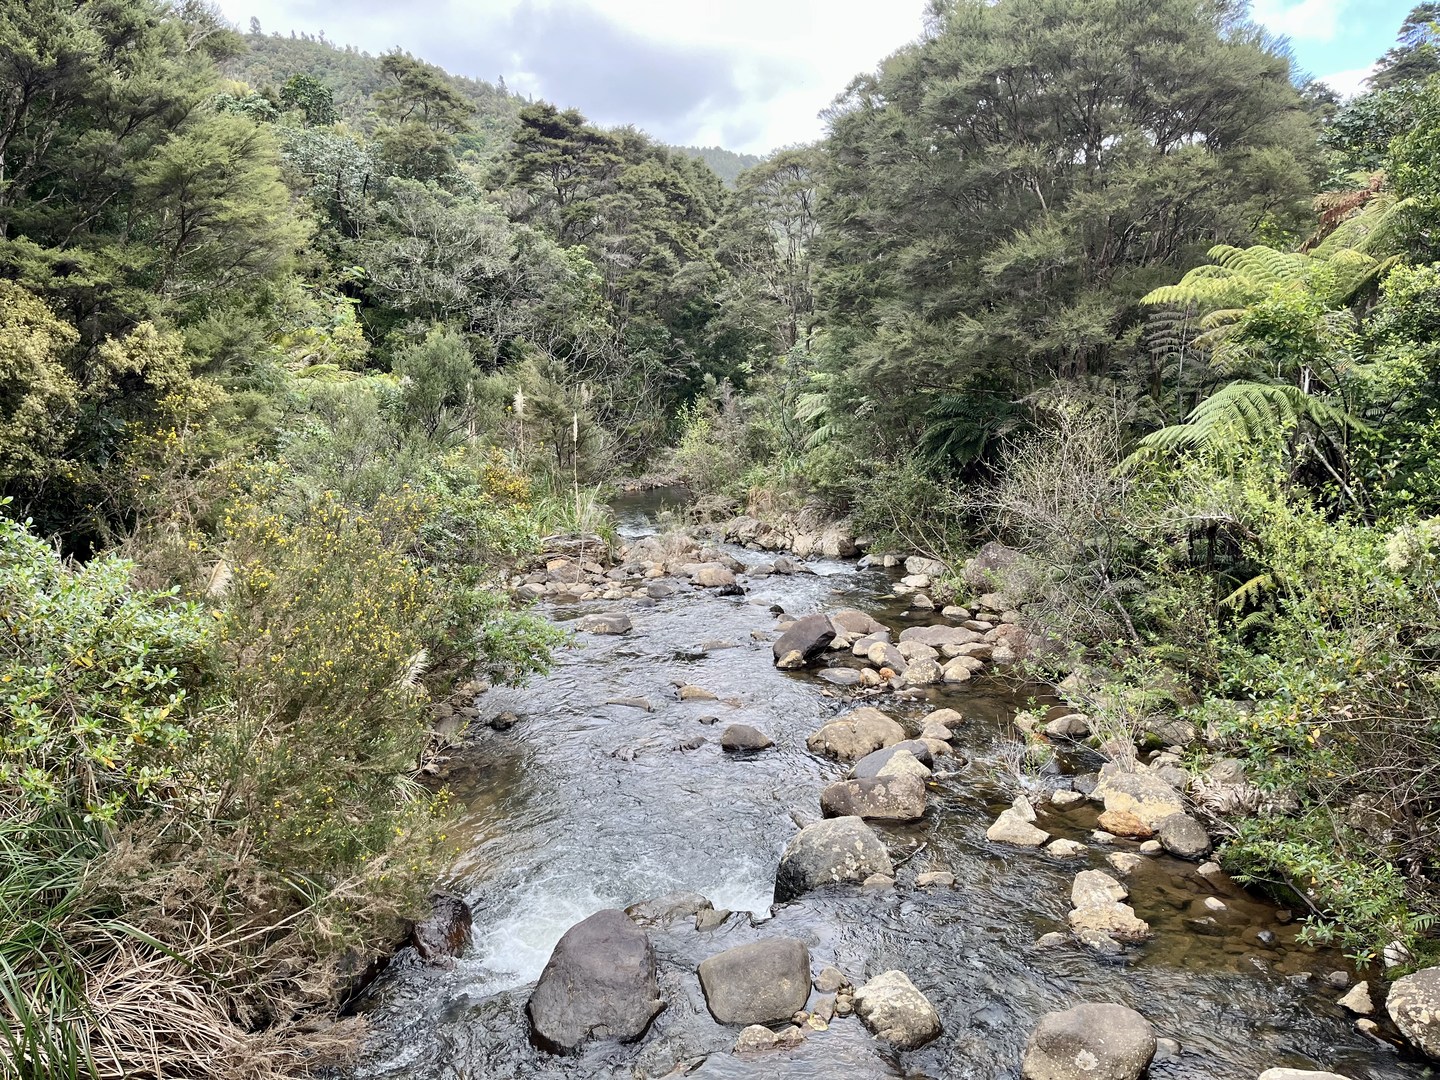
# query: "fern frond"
[[1249, 592]]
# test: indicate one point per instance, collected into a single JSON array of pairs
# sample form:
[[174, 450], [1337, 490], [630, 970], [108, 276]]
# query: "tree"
[[1414, 56], [764, 240], [311, 97], [1003, 192]]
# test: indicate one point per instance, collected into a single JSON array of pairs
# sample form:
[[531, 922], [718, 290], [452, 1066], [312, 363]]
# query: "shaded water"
[[584, 805]]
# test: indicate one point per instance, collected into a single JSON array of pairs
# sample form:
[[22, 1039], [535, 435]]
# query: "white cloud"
[[1303, 20], [1349, 83]]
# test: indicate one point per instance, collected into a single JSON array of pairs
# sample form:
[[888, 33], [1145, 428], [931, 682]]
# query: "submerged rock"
[[1090, 1042], [1098, 909], [894, 1010], [1299, 1074], [842, 849], [600, 982], [763, 982]]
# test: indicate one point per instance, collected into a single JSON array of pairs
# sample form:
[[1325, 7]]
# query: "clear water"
[[583, 805]]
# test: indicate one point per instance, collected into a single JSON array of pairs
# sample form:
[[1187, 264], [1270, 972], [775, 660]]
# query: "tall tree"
[[1002, 192], [1414, 56]]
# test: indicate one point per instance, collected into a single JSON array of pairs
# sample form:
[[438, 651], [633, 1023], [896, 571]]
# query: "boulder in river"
[[881, 798], [614, 623], [1011, 827], [855, 621], [872, 763], [1090, 1042], [600, 982], [713, 576], [739, 738], [842, 849], [852, 736], [1414, 1005], [1184, 837], [443, 934], [763, 982], [1098, 909], [1152, 800], [894, 1010], [806, 639]]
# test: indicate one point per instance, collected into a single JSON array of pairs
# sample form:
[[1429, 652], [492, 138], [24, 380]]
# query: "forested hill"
[[726, 164], [354, 78]]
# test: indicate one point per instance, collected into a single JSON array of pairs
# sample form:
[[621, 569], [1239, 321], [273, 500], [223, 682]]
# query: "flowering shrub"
[[96, 682]]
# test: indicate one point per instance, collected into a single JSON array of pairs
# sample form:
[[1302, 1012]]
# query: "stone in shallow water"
[[894, 1010], [1012, 828], [741, 738], [600, 982], [840, 676], [605, 624], [836, 850], [763, 982], [1093, 1041]]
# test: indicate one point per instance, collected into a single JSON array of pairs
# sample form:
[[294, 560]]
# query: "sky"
[[749, 75]]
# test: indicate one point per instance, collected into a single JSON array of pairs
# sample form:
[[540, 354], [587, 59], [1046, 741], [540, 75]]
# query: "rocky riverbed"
[[688, 852]]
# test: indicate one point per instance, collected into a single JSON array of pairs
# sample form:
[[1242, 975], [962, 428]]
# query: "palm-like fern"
[[1244, 412]]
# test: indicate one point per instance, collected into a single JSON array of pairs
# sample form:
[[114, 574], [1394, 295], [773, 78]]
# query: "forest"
[[303, 351]]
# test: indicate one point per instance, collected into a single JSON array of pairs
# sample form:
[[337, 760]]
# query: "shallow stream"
[[583, 805]]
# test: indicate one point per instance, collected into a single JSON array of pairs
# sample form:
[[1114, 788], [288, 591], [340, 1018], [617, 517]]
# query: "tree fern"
[[1244, 412]]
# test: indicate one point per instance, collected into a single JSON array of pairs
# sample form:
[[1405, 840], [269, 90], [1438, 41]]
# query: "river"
[[583, 805]]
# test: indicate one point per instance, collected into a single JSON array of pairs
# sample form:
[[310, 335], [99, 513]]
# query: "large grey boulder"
[[852, 736], [842, 849], [1090, 1042], [876, 798], [806, 639], [937, 637], [893, 1010], [1184, 837], [761, 983], [1414, 1005], [600, 983], [983, 571]]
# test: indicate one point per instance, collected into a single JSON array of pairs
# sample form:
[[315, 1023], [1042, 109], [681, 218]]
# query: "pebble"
[[1151, 847], [1211, 869], [1166, 1049], [941, 878], [1063, 799], [1214, 903]]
